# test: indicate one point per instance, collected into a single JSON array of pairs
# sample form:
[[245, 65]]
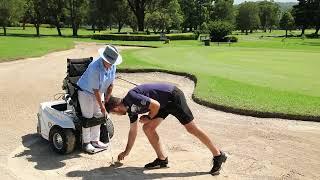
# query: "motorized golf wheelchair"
[[60, 122]]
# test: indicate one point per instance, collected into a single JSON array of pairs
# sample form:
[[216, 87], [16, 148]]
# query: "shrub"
[[204, 28], [121, 33], [139, 32], [197, 33], [230, 39], [32, 25], [182, 36], [219, 29], [313, 35], [131, 37], [126, 37]]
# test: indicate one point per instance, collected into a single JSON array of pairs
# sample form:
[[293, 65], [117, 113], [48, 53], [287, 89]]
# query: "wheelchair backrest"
[[75, 69]]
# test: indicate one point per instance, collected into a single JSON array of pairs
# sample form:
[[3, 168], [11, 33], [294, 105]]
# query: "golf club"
[[119, 77], [112, 162]]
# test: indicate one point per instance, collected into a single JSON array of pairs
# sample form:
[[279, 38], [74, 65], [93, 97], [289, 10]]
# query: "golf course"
[[259, 73], [159, 89]]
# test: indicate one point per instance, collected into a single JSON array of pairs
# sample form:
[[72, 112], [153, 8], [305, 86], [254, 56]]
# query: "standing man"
[[96, 86], [160, 100]]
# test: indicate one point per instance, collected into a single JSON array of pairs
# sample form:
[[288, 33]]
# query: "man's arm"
[[131, 139], [146, 103], [98, 98], [132, 136], [154, 107], [108, 93]]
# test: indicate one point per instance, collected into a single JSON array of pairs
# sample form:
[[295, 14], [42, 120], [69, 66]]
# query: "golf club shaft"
[[112, 162], [119, 77]]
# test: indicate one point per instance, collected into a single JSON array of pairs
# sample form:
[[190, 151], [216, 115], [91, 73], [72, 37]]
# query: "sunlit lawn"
[[269, 74]]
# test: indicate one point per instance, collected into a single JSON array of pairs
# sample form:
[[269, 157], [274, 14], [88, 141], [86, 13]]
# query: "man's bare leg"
[[219, 157], [193, 129], [153, 137]]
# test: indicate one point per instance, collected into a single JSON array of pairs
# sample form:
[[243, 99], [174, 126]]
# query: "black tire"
[[62, 140], [105, 129]]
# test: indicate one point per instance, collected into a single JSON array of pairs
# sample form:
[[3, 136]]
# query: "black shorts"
[[177, 107]]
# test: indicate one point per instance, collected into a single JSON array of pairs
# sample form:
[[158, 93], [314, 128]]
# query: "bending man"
[[159, 100]]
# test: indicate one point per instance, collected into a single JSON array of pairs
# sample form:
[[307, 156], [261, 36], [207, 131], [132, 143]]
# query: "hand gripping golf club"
[[112, 162]]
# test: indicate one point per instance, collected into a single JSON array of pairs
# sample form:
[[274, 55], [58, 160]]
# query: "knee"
[[147, 129], [191, 129]]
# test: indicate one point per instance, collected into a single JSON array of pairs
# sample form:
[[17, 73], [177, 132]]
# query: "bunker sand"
[[257, 148]]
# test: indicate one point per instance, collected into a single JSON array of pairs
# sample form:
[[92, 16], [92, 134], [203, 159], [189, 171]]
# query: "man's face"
[[119, 110], [106, 65]]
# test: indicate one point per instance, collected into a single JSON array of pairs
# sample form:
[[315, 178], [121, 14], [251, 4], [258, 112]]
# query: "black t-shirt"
[[138, 99]]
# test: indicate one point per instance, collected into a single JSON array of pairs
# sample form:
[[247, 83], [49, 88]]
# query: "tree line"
[[160, 15]]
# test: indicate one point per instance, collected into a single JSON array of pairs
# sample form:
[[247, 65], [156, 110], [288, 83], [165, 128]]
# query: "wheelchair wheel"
[[62, 140], [105, 129]]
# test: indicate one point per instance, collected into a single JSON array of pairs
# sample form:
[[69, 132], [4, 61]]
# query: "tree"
[[9, 12], [105, 10], [269, 14], [132, 21], [248, 17], [307, 14], [165, 18], [4, 15], [99, 13], [120, 13], [219, 29], [287, 22], [174, 11], [202, 9], [140, 8], [286, 6], [189, 11], [156, 21], [223, 10], [275, 17], [25, 13], [76, 10], [315, 8], [91, 14], [204, 29], [302, 15], [35, 12], [195, 12], [56, 13]]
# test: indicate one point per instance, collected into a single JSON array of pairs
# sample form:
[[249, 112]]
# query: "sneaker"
[[87, 147], [99, 144], [217, 162], [158, 163]]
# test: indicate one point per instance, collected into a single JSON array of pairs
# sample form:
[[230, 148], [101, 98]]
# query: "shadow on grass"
[[44, 35], [38, 150], [311, 43]]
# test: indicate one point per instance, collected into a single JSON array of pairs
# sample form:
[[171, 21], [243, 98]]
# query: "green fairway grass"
[[267, 80], [267, 74], [22, 47]]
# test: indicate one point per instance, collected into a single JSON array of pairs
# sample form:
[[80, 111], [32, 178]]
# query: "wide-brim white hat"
[[111, 55]]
